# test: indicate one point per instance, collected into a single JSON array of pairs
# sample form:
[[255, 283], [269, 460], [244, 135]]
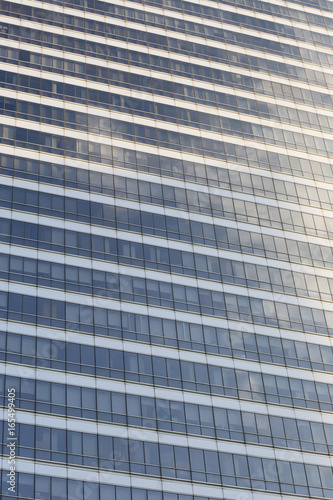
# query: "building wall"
[[166, 256]]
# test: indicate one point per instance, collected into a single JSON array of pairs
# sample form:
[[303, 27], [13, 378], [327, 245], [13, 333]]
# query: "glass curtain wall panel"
[[166, 256]]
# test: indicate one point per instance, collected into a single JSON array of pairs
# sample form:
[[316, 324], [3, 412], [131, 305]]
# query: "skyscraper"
[[166, 250]]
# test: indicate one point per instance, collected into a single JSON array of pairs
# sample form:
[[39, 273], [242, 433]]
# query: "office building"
[[166, 251]]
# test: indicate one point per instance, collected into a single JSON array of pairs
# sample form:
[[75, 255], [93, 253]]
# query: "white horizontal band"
[[98, 167], [171, 211], [159, 276], [162, 76], [139, 389], [143, 482], [101, 264], [168, 438], [238, 326], [186, 130], [171, 353], [176, 57], [104, 231], [177, 35], [150, 9], [167, 124], [180, 279]]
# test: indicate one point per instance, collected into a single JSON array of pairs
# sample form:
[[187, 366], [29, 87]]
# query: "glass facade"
[[166, 256]]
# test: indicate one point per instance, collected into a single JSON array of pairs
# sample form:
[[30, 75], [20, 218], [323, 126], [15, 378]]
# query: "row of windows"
[[192, 28], [96, 152], [158, 371], [211, 13], [225, 178], [161, 225], [150, 109], [140, 107], [204, 11], [32, 487], [109, 75], [162, 165], [169, 260], [317, 4], [167, 461], [209, 302], [226, 207], [187, 298], [108, 215], [135, 327], [99, 247], [222, 341], [95, 124], [164, 22], [165, 415], [183, 298], [102, 51], [317, 18]]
